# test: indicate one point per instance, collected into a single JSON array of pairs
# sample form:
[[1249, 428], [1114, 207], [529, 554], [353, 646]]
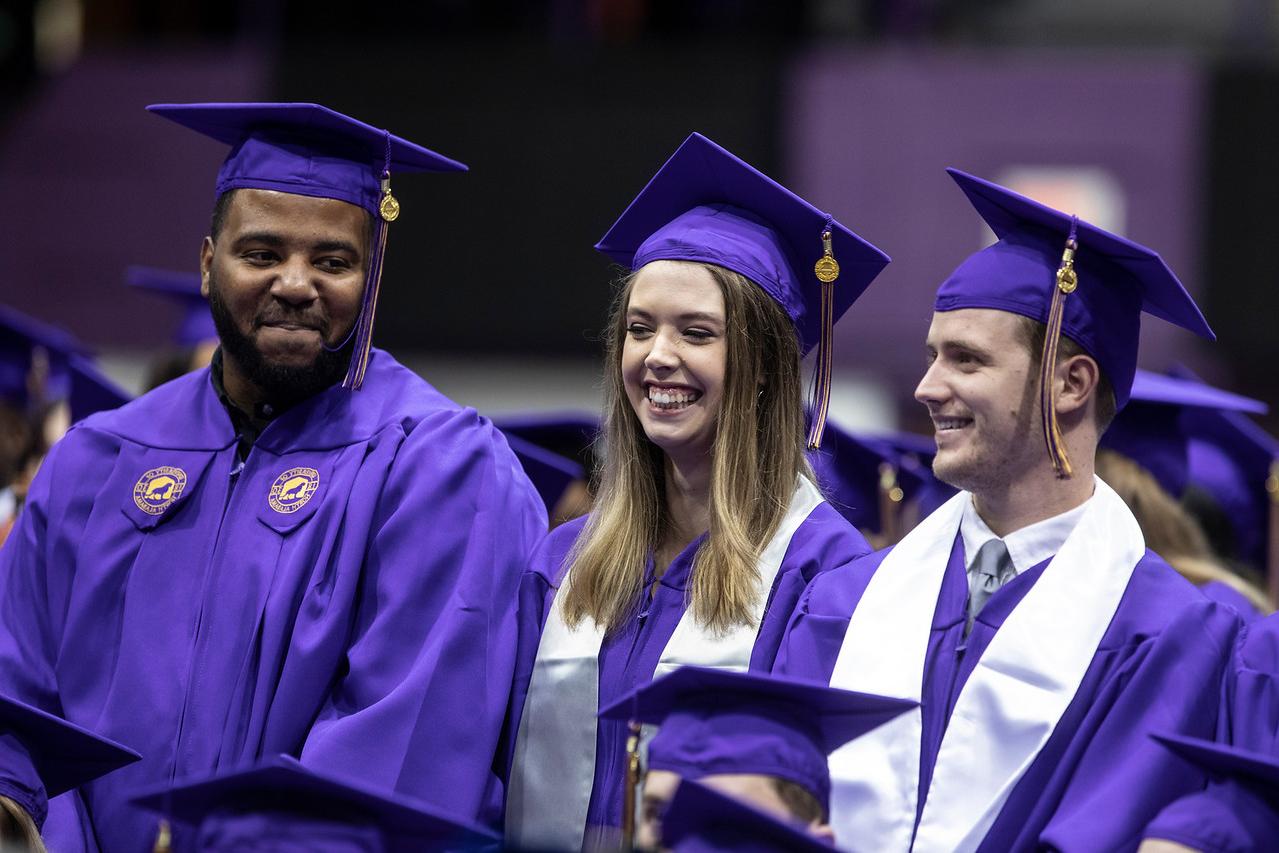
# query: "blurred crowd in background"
[[1157, 123]]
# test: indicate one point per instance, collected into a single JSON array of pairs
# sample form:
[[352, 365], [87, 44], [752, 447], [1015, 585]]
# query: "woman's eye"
[[699, 334], [638, 330]]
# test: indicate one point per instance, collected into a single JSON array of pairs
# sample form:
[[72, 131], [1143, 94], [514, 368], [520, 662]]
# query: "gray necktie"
[[992, 569]]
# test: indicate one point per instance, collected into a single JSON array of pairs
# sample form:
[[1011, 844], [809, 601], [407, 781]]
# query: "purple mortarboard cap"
[[310, 150], [65, 755], [304, 149], [550, 473], [1222, 761], [1150, 429], [280, 793], [1117, 279], [715, 721], [699, 819], [182, 288], [854, 471], [707, 205], [571, 435], [24, 341]]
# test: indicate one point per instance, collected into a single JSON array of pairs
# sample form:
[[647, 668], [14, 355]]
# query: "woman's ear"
[[822, 831]]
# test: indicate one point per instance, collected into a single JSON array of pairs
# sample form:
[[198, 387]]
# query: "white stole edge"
[[1009, 706], [553, 767]]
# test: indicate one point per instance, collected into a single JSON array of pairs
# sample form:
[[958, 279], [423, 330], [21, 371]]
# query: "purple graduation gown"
[[1233, 598], [1230, 816], [370, 631], [629, 657], [1099, 778]]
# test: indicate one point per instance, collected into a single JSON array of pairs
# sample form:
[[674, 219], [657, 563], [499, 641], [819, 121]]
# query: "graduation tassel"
[[163, 839], [389, 211], [890, 504], [1067, 281], [631, 790], [827, 270]]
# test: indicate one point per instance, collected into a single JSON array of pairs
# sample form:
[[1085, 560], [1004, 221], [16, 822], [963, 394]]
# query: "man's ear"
[[206, 264], [1077, 379]]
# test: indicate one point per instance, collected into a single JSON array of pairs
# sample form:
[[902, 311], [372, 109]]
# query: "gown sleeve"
[[29, 584], [420, 703]]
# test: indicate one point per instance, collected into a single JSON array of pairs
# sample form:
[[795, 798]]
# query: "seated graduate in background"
[[1144, 456], [195, 339], [1234, 490], [303, 548], [757, 738], [882, 483], [64, 755], [572, 437], [1042, 638], [707, 523], [281, 805], [47, 383]]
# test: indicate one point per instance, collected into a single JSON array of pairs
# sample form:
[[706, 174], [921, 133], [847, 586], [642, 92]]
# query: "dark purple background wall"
[[869, 134]]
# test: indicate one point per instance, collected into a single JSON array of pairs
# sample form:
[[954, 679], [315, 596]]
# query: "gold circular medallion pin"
[[389, 208], [826, 269]]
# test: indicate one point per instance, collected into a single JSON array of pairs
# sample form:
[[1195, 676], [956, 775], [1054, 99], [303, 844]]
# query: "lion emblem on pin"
[[157, 489], [292, 489]]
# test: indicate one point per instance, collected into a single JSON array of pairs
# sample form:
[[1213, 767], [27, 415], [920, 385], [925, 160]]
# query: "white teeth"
[[671, 399]]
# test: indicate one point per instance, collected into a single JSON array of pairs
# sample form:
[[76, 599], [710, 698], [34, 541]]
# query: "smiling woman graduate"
[[707, 523]]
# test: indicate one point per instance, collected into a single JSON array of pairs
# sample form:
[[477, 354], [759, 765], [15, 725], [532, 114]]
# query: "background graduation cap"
[[65, 755], [1236, 463], [1151, 429], [42, 364], [289, 794], [550, 473], [1079, 280], [1222, 761], [311, 150], [871, 479], [701, 820], [707, 205], [183, 290], [715, 721]]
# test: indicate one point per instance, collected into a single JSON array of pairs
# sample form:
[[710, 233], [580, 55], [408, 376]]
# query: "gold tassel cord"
[[1066, 282], [631, 789], [827, 270]]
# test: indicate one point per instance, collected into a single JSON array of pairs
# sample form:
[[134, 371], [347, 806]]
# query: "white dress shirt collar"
[[1030, 545]]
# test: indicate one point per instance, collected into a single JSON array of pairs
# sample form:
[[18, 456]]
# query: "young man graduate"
[[1042, 638], [303, 549]]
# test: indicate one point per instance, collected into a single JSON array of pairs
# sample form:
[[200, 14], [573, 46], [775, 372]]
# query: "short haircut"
[[1033, 334], [220, 208], [799, 801]]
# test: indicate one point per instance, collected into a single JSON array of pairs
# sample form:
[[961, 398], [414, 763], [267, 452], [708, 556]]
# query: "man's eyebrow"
[[267, 238], [336, 246]]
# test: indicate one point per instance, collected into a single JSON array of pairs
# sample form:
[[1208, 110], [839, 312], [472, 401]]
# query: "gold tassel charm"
[[1066, 282], [890, 504], [389, 207], [163, 839]]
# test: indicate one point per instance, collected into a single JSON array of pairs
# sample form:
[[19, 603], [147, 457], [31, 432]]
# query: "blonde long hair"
[[1170, 531], [758, 452]]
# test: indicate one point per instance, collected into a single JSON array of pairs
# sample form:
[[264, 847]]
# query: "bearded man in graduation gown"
[[1042, 639], [303, 549]]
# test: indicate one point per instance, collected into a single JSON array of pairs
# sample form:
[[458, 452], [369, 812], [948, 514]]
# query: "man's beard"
[[282, 384]]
